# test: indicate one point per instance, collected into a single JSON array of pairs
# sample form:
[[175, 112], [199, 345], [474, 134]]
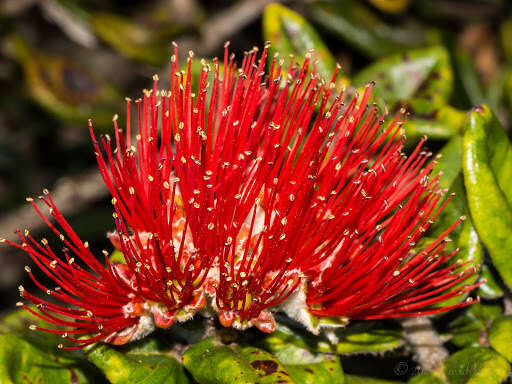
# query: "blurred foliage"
[[63, 61]]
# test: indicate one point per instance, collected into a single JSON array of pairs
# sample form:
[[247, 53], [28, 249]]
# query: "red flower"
[[102, 303], [263, 191]]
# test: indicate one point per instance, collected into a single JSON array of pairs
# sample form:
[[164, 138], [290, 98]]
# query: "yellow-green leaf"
[[500, 336], [476, 365], [212, 363], [137, 368], [487, 168]]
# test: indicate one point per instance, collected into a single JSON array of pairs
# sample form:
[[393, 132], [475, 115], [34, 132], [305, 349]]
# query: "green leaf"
[[443, 124], [213, 363], [487, 168], [420, 79], [470, 328], [491, 288], [18, 322], [290, 33], [425, 378], [465, 237], [363, 337], [353, 379], [500, 336], [22, 361], [328, 371], [476, 365], [117, 257], [355, 24], [468, 91], [131, 39], [449, 163], [506, 42], [137, 367], [303, 365], [64, 87]]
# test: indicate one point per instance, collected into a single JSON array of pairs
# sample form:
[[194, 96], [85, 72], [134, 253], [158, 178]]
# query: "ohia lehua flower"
[[262, 189]]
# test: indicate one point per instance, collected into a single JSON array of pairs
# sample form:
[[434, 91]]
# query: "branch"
[[428, 347]]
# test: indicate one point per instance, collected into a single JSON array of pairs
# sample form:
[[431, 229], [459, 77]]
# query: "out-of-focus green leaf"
[[458, 10], [352, 22], [212, 363], [506, 38], [500, 336], [420, 79], [364, 337], [130, 38], [491, 288], [24, 362], [448, 163], [496, 94], [468, 91], [442, 124], [470, 328], [290, 33], [476, 365], [391, 6], [64, 87], [487, 168], [137, 368]]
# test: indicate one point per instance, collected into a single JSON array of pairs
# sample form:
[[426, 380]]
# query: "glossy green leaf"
[[491, 288], [471, 326], [353, 379], [476, 365], [487, 168], [137, 367], [464, 236], [420, 79], [425, 378], [213, 363], [290, 33], [500, 336], [22, 361], [364, 337], [354, 23]]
